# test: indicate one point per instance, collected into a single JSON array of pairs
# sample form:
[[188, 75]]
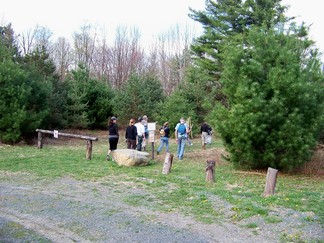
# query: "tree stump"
[[167, 163], [271, 180], [210, 171], [39, 140], [89, 149]]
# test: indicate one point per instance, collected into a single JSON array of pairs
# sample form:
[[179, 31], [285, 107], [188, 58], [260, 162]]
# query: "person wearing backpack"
[[165, 134], [181, 135], [206, 132]]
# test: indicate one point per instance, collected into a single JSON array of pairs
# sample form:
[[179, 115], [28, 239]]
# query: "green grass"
[[14, 231], [184, 189]]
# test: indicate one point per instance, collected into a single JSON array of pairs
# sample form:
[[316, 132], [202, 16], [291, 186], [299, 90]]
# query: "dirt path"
[[66, 210]]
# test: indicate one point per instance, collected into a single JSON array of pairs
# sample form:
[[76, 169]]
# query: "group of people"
[[182, 131], [137, 134]]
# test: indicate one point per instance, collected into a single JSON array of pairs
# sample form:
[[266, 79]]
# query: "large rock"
[[130, 157]]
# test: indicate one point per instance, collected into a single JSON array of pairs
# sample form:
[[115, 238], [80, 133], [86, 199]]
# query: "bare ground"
[[34, 209], [66, 210]]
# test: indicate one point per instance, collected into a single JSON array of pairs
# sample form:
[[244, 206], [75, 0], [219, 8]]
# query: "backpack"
[[209, 131], [182, 129], [162, 132]]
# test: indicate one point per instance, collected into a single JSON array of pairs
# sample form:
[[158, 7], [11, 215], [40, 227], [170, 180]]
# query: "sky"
[[64, 17], [150, 17]]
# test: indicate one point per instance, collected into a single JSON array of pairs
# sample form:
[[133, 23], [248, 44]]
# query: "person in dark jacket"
[[113, 135], [165, 134], [205, 131], [131, 135]]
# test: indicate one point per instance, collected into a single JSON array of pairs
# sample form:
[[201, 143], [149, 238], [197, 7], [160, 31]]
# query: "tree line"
[[254, 74]]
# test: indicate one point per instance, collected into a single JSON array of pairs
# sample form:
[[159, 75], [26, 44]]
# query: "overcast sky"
[[63, 17], [150, 17]]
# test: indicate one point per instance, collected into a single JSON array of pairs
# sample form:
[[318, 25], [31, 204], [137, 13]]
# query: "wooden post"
[[88, 138], [210, 171], [152, 150], [39, 140], [270, 182], [167, 163], [89, 149]]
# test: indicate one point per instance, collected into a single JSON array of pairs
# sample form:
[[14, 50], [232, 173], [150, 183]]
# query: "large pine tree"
[[24, 91], [268, 77], [223, 19]]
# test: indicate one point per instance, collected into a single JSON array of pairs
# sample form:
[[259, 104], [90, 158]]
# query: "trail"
[[67, 210]]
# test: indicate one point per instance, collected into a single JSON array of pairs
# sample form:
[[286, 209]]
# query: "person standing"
[[165, 134], [205, 131], [113, 135], [181, 134], [131, 134], [140, 133], [146, 134]]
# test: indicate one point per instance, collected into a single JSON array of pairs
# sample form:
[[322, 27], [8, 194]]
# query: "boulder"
[[130, 157]]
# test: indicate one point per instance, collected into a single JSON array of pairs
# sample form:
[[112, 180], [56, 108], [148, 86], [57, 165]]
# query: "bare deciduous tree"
[[166, 60], [84, 45], [38, 37], [126, 56], [101, 60], [173, 55], [62, 56]]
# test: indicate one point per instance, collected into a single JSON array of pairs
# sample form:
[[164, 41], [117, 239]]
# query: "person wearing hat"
[[140, 133], [113, 135]]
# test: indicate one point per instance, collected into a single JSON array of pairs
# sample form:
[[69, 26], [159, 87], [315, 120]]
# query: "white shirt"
[[140, 129]]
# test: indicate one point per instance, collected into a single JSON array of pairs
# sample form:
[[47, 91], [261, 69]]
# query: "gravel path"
[[66, 210]]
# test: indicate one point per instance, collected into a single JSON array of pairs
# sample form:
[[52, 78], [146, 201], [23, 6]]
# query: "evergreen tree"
[[41, 72], [23, 95], [14, 94], [139, 96], [99, 98], [274, 87], [89, 100], [8, 44], [77, 105], [223, 19], [174, 107]]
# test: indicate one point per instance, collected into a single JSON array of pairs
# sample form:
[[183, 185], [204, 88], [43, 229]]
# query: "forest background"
[[254, 74]]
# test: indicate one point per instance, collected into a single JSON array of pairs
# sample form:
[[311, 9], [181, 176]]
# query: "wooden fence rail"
[[88, 138]]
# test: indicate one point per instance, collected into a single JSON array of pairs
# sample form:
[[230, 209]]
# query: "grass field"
[[235, 196]]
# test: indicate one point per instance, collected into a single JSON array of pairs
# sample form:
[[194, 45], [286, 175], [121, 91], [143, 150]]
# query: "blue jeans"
[[139, 143], [181, 146], [163, 140]]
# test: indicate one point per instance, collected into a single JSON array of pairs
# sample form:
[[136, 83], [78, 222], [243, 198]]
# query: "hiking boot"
[[157, 152]]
